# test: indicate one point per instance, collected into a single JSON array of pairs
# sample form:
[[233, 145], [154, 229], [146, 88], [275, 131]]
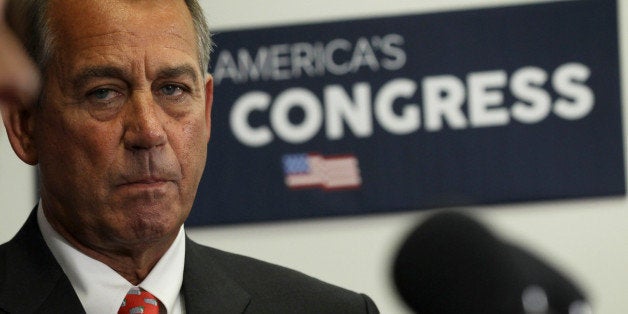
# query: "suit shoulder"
[[255, 271], [273, 285]]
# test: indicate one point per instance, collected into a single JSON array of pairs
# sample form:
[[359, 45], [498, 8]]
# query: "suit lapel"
[[34, 282], [206, 287]]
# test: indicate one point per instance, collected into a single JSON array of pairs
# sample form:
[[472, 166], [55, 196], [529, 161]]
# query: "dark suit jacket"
[[31, 281]]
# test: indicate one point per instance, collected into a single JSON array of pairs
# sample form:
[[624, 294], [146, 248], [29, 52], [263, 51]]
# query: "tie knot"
[[139, 301]]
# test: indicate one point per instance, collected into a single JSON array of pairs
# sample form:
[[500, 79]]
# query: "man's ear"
[[209, 99], [19, 123]]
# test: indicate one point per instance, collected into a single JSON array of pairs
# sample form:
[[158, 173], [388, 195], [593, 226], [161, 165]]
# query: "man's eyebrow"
[[83, 77], [178, 71]]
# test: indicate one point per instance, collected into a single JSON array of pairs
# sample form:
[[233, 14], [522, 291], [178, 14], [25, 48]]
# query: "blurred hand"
[[19, 79]]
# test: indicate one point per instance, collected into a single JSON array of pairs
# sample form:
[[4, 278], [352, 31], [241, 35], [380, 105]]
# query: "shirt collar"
[[100, 288]]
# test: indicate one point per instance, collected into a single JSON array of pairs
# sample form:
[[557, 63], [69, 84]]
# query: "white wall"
[[17, 189], [587, 238]]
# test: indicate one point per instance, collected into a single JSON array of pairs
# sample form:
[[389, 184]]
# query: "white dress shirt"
[[101, 289]]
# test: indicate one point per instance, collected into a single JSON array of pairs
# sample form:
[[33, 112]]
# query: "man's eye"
[[172, 90], [103, 103], [103, 94]]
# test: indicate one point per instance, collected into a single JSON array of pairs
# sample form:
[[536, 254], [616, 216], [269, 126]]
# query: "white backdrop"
[[588, 238]]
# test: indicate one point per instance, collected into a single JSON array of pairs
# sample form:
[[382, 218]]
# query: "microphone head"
[[452, 264]]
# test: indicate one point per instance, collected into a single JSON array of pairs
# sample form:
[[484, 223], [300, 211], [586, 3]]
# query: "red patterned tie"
[[138, 301]]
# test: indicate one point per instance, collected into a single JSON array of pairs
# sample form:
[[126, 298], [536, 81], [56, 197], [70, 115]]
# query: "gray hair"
[[203, 35], [29, 21]]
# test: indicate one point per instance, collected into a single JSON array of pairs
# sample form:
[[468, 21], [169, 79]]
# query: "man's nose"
[[19, 79], [144, 123]]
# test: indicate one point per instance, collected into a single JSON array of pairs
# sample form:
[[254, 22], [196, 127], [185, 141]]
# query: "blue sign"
[[486, 106]]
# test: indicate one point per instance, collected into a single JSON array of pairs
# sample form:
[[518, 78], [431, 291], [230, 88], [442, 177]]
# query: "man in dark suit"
[[120, 139]]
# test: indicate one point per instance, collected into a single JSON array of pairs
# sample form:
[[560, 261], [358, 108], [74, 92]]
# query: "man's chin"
[[148, 222]]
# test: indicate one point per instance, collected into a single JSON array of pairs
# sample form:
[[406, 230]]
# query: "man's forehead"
[[118, 31], [78, 18]]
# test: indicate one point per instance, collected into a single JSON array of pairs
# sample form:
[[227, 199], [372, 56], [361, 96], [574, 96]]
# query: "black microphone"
[[452, 264]]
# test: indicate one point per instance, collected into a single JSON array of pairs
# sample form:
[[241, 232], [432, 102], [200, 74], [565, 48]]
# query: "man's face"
[[122, 132], [18, 78]]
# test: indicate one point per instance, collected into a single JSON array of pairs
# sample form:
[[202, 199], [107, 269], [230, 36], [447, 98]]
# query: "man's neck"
[[133, 261]]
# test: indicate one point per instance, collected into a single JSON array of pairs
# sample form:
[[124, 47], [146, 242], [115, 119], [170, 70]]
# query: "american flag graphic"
[[337, 172]]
